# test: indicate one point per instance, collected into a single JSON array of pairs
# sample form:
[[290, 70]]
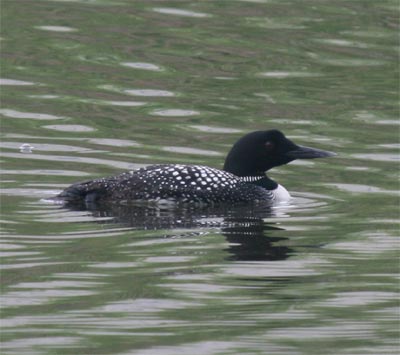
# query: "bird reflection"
[[244, 227], [252, 243]]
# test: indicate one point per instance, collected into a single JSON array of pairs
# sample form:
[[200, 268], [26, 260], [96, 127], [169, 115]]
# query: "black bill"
[[301, 152]]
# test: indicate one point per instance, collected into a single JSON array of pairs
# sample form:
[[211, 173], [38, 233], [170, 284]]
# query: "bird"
[[242, 179]]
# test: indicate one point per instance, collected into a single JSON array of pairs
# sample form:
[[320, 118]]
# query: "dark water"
[[99, 86]]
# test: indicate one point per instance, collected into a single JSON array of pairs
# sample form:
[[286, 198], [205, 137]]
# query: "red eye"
[[269, 146]]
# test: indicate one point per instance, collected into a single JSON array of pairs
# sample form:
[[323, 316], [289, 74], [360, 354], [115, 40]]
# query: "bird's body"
[[175, 182], [242, 180]]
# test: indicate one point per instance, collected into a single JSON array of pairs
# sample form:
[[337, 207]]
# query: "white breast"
[[281, 194]]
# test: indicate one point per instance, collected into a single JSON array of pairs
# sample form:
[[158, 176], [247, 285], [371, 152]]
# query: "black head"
[[259, 151]]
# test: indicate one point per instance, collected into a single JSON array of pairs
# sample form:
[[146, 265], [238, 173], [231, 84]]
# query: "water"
[[92, 88]]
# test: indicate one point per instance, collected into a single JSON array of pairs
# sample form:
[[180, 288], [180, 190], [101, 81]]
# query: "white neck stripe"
[[251, 178]]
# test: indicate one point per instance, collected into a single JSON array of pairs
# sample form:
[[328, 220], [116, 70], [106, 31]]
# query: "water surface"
[[93, 88]]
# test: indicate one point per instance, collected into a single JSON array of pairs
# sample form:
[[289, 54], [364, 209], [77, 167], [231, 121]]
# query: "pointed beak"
[[301, 152]]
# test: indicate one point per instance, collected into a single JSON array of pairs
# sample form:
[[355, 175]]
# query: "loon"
[[242, 180]]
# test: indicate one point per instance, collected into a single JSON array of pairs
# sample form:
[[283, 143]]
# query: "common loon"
[[242, 179]]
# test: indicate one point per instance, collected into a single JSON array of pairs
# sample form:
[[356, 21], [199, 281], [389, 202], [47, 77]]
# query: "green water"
[[99, 86]]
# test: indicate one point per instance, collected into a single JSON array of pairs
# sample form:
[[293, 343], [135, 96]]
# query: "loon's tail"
[[82, 193]]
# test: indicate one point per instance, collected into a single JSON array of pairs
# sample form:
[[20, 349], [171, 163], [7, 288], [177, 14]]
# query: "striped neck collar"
[[252, 178], [260, 180]]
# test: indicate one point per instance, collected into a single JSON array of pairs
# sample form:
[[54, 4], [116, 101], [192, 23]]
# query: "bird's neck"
[[260, 180], [266, 183], [242, 169]]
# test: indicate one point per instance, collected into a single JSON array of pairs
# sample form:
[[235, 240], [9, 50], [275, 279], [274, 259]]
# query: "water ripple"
[[359, 298], [287, 74], [359, 188], [174, 112], [186, 150], [75, 159], [347, 330], [114, 142], [149, 92], [140, 65], [46, 147], [32, 346], [44, 172], [36, 116], [179, 12], [121, 103], [378, 157], [56, 28], [283, 268], [346, 62], [343, 43], [13, 82], [143, 305], [212, 129], [70, 128], [372, 244]]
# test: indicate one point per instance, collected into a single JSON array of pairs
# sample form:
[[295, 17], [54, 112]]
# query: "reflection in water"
[[248, 241], [242, 226]]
